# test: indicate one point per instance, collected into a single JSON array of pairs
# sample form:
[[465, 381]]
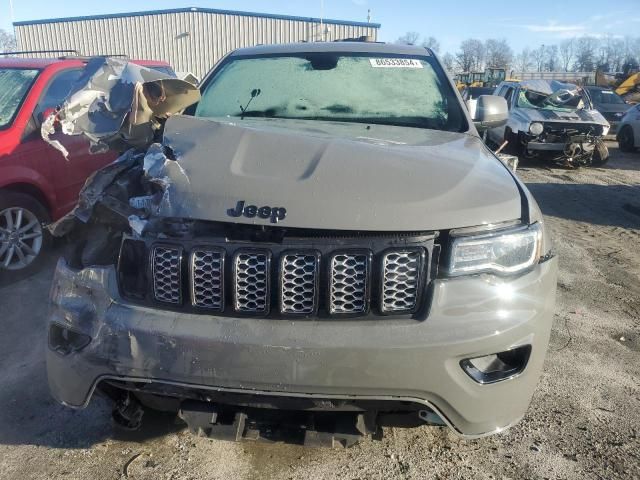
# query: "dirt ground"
[[583, 423]]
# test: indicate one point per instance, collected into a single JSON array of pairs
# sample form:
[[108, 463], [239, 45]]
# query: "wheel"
[[625, 139], [23, 238], [600, 154]]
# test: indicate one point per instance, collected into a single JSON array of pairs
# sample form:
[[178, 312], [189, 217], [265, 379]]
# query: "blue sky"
[[548, 21]]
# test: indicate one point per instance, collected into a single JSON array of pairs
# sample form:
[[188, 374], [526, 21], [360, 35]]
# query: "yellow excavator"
[[491, 77], [627, 84]]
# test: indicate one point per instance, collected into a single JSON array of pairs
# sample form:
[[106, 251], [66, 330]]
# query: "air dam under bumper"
[[381, 359]]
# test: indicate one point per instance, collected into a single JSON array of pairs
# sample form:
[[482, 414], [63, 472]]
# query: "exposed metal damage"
[[120, 106], [557, 120]]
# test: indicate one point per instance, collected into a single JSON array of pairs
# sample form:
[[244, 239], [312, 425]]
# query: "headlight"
[[536, 128], [506, 252]]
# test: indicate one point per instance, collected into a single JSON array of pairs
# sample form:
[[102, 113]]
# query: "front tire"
[[600, 154], [23, 237], [625, 139]]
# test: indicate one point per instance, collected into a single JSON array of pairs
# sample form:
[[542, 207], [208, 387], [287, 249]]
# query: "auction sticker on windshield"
[[395, 63]]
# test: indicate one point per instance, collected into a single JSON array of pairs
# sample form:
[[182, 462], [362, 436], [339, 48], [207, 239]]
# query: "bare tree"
[[538, 56], [413, 38], [586, 54], [523, 60], [409, 38], [551, 63], [616, 59], [448, 61], [566, 50], [432, 43], [471, 55], [7, 41], [498, 53]]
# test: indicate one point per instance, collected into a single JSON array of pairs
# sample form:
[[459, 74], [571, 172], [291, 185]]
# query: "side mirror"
[[491, 111]]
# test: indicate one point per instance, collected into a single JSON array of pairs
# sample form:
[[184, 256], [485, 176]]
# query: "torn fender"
[[118, 104]]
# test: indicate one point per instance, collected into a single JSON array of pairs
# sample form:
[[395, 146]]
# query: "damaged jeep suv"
[[320, 247], [552, 119]]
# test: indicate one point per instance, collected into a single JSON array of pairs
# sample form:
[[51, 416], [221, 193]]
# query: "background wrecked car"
[[551, 119]]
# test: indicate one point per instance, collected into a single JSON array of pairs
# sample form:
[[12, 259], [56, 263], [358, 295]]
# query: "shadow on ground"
[[609, 205]]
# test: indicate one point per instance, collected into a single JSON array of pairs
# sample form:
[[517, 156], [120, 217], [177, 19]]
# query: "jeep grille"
[[322, 277]]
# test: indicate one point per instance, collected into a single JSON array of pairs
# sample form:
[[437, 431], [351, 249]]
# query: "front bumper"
[[381, 359]]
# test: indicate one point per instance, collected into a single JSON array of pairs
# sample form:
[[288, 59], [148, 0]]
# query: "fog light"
[[65, 341], [498, 366]]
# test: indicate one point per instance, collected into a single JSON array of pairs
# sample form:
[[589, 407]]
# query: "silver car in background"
[[629, 130]]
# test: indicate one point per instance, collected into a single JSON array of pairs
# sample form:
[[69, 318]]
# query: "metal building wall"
[[191, 40]]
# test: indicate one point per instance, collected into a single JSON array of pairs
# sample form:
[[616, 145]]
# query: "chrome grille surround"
[[299, 277], [349, 280], [251, 272], [401, 279], [166, 265], [207, 278]]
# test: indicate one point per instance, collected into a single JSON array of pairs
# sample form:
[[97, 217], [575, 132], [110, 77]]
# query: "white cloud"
[[359, 3], [556, 28]]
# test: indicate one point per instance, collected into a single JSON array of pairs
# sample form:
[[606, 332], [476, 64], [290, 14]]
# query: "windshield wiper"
[[254, 93]]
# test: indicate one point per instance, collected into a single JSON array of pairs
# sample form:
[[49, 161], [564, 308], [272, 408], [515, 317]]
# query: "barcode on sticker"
[[395, 63]]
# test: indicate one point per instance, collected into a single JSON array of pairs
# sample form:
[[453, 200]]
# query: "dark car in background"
[[470, 96], [611, 105], [37, 183], [472, 93]]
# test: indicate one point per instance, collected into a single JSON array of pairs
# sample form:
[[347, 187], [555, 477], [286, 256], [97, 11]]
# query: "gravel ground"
[[583, 423]]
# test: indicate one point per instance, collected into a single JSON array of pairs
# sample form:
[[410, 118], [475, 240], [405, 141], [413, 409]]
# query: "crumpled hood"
[[335, 175], [579, 116]]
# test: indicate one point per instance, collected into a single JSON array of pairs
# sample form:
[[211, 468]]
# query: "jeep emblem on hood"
[[250, 211]]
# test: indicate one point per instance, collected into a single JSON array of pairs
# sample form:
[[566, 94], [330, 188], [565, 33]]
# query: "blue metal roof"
[[196, 9]]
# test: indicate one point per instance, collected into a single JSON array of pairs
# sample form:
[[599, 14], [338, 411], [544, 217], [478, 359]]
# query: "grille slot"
[[400, 281], [207, 279], [251, 288], [348, 283], [298, 283], [166, 263]]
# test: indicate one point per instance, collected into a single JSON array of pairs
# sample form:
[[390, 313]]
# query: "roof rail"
[[31, 52], [89, 57], [74, 54], [362, 38]]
